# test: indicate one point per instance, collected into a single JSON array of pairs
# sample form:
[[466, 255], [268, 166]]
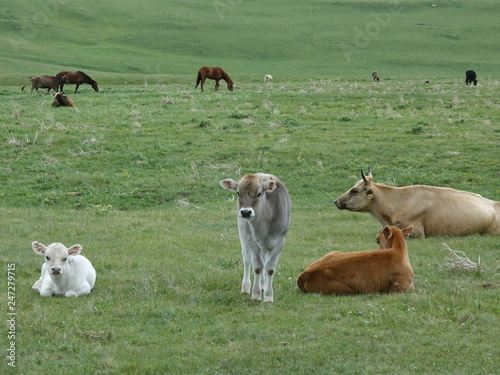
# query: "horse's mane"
[[86, 76]]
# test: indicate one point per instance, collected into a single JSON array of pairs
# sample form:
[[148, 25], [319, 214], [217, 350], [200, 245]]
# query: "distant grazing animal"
[[264, 210], [214, 73], [363, 272], [64, 272], [375, 76], [268, 78], [61, 100], [77, 78], [45, 82], [433, 211], [470, 76]]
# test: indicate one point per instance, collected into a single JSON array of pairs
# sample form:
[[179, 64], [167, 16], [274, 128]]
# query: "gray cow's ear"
[[229, 184], [270, 186]]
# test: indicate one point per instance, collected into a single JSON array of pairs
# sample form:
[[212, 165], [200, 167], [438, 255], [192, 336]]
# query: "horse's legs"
[[202, 82], [216, 85], [76, 89]]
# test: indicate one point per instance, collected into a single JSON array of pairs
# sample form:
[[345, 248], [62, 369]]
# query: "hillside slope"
[[342, 38]]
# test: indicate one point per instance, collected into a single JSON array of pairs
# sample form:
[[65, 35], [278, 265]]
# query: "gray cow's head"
[[56, 256], [251, 191]]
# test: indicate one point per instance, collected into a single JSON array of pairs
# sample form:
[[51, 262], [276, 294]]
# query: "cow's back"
[[453, 212], [82, 269]]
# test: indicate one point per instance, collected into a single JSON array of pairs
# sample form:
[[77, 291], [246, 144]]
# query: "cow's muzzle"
[[247, 213], [339, 205], [56, 271]]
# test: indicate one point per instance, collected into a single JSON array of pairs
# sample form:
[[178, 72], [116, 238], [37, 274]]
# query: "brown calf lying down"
[[61, 100], [363, 272]]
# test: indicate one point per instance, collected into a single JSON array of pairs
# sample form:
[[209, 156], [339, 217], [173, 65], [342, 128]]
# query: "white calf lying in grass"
[[64, 272]]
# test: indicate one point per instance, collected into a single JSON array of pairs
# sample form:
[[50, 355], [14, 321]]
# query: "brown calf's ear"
[[387, 231]]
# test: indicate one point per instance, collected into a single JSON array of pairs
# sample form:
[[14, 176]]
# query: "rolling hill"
[[130, 40]]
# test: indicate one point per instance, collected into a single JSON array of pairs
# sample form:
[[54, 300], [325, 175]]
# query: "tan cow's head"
[[56, 256], [251, 191], [359, 197], [386, 236]]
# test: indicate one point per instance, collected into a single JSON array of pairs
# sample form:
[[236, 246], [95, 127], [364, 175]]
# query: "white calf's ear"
[[75, 249], [229, 184], [270, 186], [38, 247]]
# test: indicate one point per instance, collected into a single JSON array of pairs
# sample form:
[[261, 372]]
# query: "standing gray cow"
[[264, 211]]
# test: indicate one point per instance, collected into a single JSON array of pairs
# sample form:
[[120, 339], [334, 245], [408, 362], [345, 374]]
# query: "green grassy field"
[[132, 173]]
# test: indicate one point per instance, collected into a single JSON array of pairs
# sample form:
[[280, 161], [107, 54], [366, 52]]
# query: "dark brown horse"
[[214, 73], [77, 78]]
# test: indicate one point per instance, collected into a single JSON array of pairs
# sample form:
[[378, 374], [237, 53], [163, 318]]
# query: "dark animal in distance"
[[215, 73], [375, 76], [45, 82], [470, 77], [61, 100], [77, 78], [386, 270], [433, 211]]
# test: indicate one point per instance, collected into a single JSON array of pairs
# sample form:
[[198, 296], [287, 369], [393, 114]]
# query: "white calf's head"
[[56, 256], [251, 191]]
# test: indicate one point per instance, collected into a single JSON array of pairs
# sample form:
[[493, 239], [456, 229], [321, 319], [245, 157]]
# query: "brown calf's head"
[[387, 234]]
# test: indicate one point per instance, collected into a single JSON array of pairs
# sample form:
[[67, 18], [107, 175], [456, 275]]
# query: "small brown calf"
[[363, 272], [61, 100]]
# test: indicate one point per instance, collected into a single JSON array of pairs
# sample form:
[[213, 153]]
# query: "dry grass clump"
[[458, 260]]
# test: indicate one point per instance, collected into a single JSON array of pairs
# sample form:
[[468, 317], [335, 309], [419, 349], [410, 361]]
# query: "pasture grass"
[[132, 173]]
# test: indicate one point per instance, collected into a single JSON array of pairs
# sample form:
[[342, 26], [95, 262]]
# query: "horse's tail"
[[198, 80], [22, 88]]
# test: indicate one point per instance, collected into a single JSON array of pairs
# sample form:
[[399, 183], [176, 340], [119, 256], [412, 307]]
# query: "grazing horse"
[[77, 78], [214, 73]]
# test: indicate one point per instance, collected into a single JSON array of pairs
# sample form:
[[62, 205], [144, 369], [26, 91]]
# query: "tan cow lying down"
[[433, 211], [363, 272]]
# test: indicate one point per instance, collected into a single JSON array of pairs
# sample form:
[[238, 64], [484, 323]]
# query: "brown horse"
[[77, 78], [214, 73]]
